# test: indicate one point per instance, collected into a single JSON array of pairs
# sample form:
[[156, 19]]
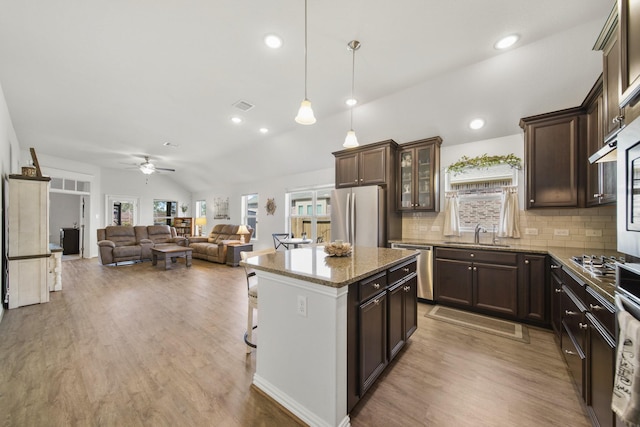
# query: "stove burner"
[[598, 265]]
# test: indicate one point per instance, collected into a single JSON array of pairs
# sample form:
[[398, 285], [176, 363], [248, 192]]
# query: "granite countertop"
[[312, 264], [604, 286], [54, 247]]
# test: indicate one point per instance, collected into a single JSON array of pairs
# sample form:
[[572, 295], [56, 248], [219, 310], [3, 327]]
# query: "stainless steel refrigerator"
[[359, 216]]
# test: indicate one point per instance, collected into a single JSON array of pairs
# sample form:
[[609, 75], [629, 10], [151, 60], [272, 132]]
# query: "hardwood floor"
[[140, 346]]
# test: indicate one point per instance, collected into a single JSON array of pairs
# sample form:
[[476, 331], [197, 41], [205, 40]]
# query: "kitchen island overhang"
[[301, 360]]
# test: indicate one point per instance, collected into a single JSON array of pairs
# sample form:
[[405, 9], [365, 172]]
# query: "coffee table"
[[172, 253]]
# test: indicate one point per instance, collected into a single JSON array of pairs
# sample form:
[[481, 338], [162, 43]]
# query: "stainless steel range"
[[598, 265]]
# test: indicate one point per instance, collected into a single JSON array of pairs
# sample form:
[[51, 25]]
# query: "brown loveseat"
[[214, 247], [119, 243]]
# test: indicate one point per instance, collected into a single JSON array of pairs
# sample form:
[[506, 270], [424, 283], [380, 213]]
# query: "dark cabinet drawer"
[[495, 257], [372, 285], [577, 286], [573, 312], [601, 310], [402, 271], [575, 359]]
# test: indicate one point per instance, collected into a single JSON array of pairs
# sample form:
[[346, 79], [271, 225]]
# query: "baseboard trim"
[[291, 406]]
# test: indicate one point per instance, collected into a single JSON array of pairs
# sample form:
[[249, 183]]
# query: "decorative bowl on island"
[[338, 248]]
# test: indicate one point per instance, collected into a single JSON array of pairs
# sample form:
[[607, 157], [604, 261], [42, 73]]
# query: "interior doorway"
[[68, 214]]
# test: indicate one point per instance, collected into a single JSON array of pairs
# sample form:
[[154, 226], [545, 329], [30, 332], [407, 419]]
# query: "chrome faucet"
[[476, 233]]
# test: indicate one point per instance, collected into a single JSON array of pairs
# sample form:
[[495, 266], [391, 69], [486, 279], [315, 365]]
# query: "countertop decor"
[[484, 161]]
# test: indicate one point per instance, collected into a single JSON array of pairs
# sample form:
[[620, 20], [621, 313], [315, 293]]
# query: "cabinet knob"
[[526, 261], [618, 119], [558, 291], [573, 353], [469, 267], [376, 301], [598, 195], [595, 307], [406, 269], [475, 268], [407, 288], [376, 286], [555, 267], [531, 201], [583, 326], [472, 255], [570, 313], [361, 179]]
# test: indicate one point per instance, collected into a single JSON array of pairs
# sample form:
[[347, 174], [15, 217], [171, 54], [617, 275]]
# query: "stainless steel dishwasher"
[[425, 268]]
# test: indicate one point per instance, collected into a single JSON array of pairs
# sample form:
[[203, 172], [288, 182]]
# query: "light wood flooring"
[[140, 346]]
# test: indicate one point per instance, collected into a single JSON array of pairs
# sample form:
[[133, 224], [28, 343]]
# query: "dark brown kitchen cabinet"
[[552, 159], [372, 164], [381, 316], [629, 21], [601, 367], [533, 288], [373, 339], [555, 277], [418, 175], [486, 281], [574, 338], [601, 177]]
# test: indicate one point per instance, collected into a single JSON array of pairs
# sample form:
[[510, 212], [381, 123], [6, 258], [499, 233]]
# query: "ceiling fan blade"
[[165, 169]]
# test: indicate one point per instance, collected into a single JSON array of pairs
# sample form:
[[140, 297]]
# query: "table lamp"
[[242, 231], [201, 221]]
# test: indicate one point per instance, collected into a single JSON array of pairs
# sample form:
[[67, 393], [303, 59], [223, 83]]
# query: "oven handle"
[[625, 304]]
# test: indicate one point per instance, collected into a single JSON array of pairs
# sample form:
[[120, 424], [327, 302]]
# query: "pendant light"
[[305, 113], [351, 140]]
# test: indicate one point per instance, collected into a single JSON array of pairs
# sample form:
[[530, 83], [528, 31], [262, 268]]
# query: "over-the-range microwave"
[[628, 200]]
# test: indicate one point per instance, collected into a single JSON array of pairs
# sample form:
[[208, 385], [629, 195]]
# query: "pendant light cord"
[[305, 49], [353, 78]]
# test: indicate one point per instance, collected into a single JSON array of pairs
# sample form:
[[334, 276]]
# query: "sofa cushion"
[[121, 235], [205, 248], [159, 233], [127, 251]]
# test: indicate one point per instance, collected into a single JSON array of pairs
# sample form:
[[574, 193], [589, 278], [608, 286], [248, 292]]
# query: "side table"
[[233, 252]]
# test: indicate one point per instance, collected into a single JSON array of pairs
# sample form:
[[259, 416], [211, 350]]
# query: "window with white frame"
[[164, 211], [250, 203], [309, 213]]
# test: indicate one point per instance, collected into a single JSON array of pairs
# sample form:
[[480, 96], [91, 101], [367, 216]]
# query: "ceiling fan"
[[148, 168]]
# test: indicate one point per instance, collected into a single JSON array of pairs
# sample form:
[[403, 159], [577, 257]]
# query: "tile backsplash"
[[593, 228]]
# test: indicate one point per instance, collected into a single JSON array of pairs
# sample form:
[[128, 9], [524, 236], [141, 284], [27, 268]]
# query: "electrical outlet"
[[593, 233], [435, 228], [560, 232], [302, 306], [531, 231]]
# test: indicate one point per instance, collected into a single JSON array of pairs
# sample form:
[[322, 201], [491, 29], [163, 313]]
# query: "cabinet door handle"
[[531, 201], [526, 261], [376, 286], [376, 301], [361, 179], [570, 313], [475, 268], [558, 290], [595, 307], [469, 267], [598, 195], [573, 353], [406, 269], [555, 267], [583, 326], [407, 288]]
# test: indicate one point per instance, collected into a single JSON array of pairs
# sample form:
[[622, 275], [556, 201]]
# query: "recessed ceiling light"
[[506, 42], [273, 41], [237, 120], [476, 124], [264, 130], [351, 102]]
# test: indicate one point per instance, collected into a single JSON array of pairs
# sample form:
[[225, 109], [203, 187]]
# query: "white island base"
[[302, 358]]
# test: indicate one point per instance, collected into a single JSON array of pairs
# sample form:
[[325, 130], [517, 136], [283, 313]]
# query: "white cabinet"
[[28, 238]]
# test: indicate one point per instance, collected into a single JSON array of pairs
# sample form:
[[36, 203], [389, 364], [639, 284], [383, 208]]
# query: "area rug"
[[478, 322]]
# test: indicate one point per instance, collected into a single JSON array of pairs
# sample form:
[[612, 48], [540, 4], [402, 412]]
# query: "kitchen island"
[[306, 325]]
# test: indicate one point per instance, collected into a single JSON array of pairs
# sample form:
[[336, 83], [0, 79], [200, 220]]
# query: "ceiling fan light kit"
[[149, 168]]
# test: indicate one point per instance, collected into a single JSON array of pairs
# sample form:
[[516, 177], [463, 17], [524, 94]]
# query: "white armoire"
[[28, 240]]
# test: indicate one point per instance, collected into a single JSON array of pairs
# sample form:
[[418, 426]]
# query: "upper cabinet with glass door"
[[418, 175]]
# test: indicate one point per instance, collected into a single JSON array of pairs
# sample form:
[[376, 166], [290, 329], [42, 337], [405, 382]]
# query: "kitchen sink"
[[488, 245]]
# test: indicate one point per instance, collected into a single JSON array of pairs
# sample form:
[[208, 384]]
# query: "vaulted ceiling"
[[110, 82]]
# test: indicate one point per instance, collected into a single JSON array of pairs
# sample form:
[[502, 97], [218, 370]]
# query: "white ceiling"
[[107, 82]]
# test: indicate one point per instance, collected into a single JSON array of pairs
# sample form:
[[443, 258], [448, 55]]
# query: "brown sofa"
[[119, 243], [214, 246]]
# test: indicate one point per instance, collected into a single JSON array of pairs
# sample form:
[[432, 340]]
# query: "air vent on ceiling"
[[243, 105]]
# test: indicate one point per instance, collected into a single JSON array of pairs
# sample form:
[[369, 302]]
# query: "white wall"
[[9, 153]]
